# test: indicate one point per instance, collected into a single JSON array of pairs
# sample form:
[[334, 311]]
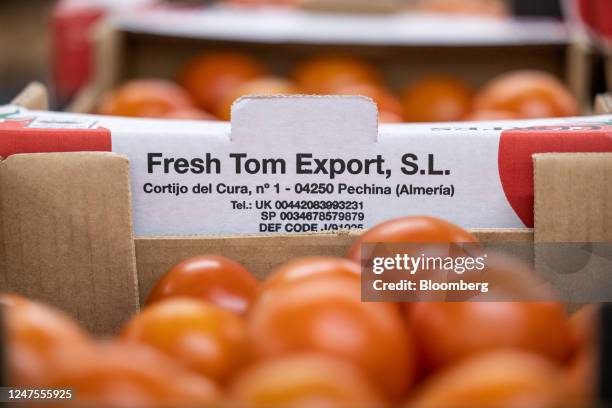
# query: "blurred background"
[[473, 41]]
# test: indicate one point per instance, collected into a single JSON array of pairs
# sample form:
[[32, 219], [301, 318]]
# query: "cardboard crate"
[[404, 47], [66, 229]]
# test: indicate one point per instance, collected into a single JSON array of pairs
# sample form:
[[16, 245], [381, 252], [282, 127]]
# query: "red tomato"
[[387, 102], [269, 85], [215, 279], [582, 377], [209, 77], [419, 229], [304, 380], [41, 341], [151, 98], [447, 332], [325, 74], [437, 99], [326, 315], [309, 267], [499, 379], [207, 339], [528, 94], [123, 375]]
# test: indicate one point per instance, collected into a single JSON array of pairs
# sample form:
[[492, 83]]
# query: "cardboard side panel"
[[261, 254], [573, 197], [66, 235]]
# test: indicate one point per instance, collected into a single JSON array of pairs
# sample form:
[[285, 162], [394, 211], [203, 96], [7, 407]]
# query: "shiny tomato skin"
[[528, 94], [325, 74], [41, 341], [146, 97], [304, 380], [122, 375], [325, 314], [311, 267], [209, 77], [207, 339], [498, 379], [437, 99], [448, 332], [414, 229], [215, 279]]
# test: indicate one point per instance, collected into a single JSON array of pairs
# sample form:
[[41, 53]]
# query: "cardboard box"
[[404, 46], [66, 233]]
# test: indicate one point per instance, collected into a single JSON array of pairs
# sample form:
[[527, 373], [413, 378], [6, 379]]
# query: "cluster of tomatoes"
[[212, 334], [209, 84]]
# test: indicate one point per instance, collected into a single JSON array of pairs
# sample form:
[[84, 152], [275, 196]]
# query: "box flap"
[[316, 119], [34, 96], [66, 234], [573, 197]]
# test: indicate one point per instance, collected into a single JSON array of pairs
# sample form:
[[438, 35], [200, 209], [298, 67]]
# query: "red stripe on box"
[[15, 138], [516, 148]]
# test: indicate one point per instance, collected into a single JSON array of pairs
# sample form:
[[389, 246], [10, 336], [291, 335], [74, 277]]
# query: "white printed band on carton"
[[312, 164]]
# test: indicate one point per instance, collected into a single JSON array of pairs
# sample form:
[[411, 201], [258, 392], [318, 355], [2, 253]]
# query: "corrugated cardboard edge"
[[66, 235], [573, 197], [603, 103], [261, 254], [34, 96]]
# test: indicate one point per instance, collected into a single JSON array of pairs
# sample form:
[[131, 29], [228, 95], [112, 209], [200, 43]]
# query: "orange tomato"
[[528, 94], [582, 377], [305, 268], [269, 85], [437, 99], [41, 341], [491, 115], [150, 98], [326, 315], [215, 279], [209, 77], [205, 338], [495, 8], [499, 379], [448, 332], [585, 327], [123, 375], [190, 114], [387, 103], [415, 229], [304, 380], [582, 370], [325, 74], [389, 117]]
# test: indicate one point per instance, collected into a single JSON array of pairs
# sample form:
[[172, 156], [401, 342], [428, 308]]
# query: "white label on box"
[[315, 164]]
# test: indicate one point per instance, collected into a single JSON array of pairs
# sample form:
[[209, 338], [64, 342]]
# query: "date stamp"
[[11, 394]]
